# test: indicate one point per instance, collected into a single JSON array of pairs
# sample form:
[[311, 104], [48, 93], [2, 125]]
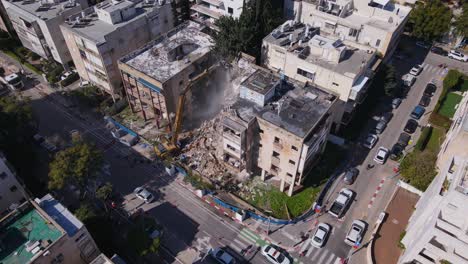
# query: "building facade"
[[301, 52], [155, 75], [54, 235], [208, 11], [37, 24], [12, 192], [278, 127], [100, 35], [437, 230]]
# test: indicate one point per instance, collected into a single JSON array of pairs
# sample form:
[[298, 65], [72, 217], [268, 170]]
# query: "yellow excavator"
[[168, 145]]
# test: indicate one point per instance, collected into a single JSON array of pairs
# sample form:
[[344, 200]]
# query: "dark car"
[[418, 111], [430, 89], [403, 139], [439, 50], [425, 100], [396, 152], [387, 117], [411, 126], [350, 175]]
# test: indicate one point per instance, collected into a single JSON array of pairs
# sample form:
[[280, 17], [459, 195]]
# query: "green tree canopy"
[[76, 164], [430, 20], [418, 168], [391, 83], [461, 22], [85, 212]]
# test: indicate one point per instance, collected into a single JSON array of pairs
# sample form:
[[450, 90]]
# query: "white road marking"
[[316, 252], [330, 260], [322, 257]]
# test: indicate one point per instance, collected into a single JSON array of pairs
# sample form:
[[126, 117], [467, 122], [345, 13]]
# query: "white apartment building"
[[102, 259], [278, 127], [368, 23], [37, 23], [301, 52], [438, 228], [43, 231], [100, 35], [208, 11], [12, 193]]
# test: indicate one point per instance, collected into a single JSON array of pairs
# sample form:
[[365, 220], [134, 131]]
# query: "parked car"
[[418, 111], [396, 102], [387, 117], [416, 70], [370, 141], [341, 202], [381, 155], [408, 79], [48, 146], [356, 233], [65, 75], [425, 100], [404, 139], [321, 235], [439, 51], [456, 55], [38, 138], [273, 255], [410, 126], [350, 175], [430, 89], [144, 194], [380, 127], [423, 44], [396, 151], [221, 256]]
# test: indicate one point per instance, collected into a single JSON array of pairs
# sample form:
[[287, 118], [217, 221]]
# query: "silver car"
[[143, 194], [356, 233], [320, 235], [370, 141]]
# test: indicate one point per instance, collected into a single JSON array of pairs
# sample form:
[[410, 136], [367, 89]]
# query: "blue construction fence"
[[120, 126]]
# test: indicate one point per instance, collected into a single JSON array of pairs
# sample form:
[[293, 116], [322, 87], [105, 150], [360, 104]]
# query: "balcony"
[[275, 161], [359, 89], [206, 11], [277, 145]]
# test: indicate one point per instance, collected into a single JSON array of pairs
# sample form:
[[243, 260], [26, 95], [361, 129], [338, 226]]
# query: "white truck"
[[408, 79], [341, 203], [13, 81]]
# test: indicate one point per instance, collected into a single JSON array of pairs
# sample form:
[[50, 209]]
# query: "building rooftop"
[[23, 233], [168, 55], [299, 110], [296, 107], [45, 9], [306, 42], [60, 214], [260, 82], [96, 22], [102, 259]]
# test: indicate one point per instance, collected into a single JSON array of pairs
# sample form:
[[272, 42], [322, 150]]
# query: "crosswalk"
[[245, 239], [315, 255], [434, 69]]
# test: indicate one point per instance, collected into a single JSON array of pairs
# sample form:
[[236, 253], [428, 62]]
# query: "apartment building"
[[37, 23], [12, 192], [155, 75], [208, 11], [5, 23], [43, 231], [438, 228], [278, 127], [301, 52], [100, 35], [102, 259], [368, 23]]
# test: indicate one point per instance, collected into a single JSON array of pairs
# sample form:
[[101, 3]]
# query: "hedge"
[[423, 138], [452, 79], [70, 79], [439, 120]]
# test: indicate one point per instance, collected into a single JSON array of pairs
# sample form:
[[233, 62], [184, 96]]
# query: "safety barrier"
[[117, 124]]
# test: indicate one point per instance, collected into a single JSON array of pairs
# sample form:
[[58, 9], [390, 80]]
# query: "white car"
[[144, 194], [416, 70], [222, 256], [456, 55], [273, 255], [370, 141], [381, 155], [65, 75], [320, 236], [356, 233]]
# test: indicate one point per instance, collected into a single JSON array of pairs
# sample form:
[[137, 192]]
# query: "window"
[[230, 147], [3, 175], [274, 168], [260, 131], [294, 148], [277, 140], [353, 32], [83, 54], [230, 10], [377, 43], [181, 82], [13, 188], [260, 145], [289, 174], [305, 73], [330, 25], [276, 154], [292, 162], [335, 84]]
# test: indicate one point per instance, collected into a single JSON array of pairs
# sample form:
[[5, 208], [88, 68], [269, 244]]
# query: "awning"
[[381, 2], [149, 85], [360, 83]]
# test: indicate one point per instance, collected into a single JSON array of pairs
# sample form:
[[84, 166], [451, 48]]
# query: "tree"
[[391, 83], [430, 20], [85, 212], [103, 193], [418, 168], [461, 22], [76, 164]]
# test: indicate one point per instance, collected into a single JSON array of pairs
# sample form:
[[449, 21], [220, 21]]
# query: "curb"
[[379, 187]]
